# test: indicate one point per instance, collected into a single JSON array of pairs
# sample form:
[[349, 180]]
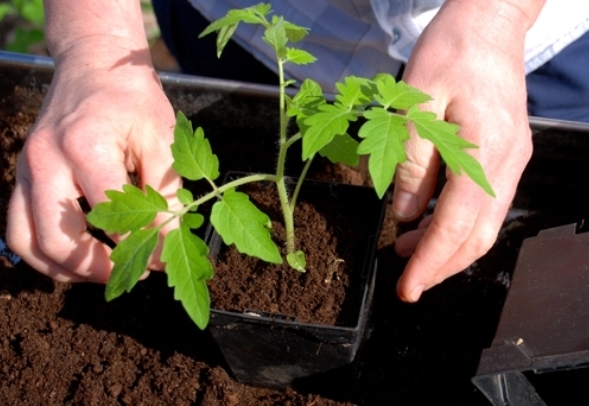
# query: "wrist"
[[102, 53], [106, 29], [516, 16]]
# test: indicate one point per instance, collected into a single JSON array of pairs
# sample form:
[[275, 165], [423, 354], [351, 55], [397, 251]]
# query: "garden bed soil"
[[63, 344]]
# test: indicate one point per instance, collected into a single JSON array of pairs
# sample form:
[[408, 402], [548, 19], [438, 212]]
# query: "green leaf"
[[299, 57], [323, 126], [307, 101], [224, 36], [384, 136], [275, 36], [193, 220], [354, 92], [342, 148], [294, 32], [130, 257], [398, 95], [297, 260], [450, 145], [128, 210], [193, 157], [251, 15], [240, 222], [185, 196], [188, 269]]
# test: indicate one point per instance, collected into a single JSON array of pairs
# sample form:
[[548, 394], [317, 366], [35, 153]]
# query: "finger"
[[60, 228], [21, 238], [405, 244], [155, 169], [462, 230], [415, 179]]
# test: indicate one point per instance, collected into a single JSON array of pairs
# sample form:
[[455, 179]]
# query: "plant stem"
[[287, 210], [295, 194], [218, 191]]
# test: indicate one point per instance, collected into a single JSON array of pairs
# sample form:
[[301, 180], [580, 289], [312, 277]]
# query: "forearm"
[[494, 17], [95, 31]]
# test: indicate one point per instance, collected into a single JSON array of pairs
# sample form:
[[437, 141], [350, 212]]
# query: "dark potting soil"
[[63, 344], [325, 234]]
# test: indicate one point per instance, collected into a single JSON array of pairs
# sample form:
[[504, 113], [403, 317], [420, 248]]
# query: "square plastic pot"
[[277, 351]]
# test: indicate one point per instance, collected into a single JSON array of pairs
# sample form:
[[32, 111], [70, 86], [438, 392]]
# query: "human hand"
[[103, 118], [470, 59]]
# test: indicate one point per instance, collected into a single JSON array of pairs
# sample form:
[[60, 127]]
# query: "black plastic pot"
[[277, 351]]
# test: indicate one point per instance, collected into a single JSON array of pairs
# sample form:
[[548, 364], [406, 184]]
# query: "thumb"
[[415, 179], [157, 172]]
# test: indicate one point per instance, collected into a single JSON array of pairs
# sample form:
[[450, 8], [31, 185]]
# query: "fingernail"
[[416, 293], [404, 204]]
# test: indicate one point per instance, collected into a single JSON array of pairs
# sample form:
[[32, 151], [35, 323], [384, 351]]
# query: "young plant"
[[323, 130]]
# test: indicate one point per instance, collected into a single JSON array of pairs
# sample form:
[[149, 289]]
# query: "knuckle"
[[483, 242], [410, 172], [456, 231], [52, 246]]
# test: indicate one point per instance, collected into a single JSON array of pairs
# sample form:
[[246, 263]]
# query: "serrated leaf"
[[299, 57], [128, 210], [323, 127], [354, 92], [275, 36], [130, 259], [185, 196], [307, 100], [251, 15], [238, 221], [451, 146], [193, 220], [398, 95], [193, 157], [297, 260], [224, 36], [384, 136], [342, 148], [294, 32], [188, 269]]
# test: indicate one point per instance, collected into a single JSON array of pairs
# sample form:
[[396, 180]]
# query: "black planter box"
[[277, 351], [543, 334]]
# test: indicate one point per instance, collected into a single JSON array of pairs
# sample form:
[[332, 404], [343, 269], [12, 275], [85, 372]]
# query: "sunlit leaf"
[[451, 146], [238, 221], [128, 210], [323, 127], [193, 157], [188, 269], [383, 134], [398, 95], [130, 259], [343, 149]]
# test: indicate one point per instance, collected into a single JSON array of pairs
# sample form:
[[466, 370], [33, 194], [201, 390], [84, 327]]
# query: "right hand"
[[102, 119]]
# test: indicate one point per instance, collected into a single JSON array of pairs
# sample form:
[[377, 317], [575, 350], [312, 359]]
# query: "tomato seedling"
[[323, 130]]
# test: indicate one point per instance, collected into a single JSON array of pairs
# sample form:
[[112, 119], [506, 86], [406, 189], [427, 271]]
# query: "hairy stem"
[[287, 210], [295, 194], [218, 191]]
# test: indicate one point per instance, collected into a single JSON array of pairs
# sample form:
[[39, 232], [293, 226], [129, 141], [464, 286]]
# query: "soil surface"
[[63, 344], [331, 237]]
